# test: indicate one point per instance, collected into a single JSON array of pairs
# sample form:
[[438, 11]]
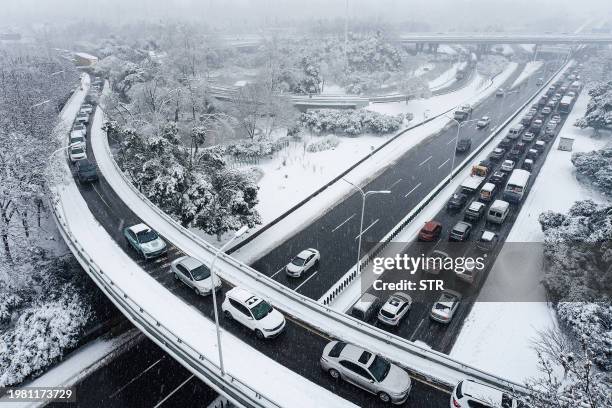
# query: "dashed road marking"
[[413, 188], [343, 222]]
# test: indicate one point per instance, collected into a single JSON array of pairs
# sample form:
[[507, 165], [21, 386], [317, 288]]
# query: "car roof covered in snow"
[[139, 228]]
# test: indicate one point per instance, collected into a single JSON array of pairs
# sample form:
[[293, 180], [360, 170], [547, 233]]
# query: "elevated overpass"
[[91, 219], [505, 38]]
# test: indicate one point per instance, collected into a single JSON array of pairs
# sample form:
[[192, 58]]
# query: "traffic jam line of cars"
[[507, 177]]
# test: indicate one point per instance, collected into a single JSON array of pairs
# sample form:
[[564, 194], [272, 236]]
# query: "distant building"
[[82, 59]]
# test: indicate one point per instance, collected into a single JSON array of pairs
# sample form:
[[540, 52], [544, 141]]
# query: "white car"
[[82, 118], [366, 370], [81, 128], [395, 308], [194, 274], [469, 393], [76, 138], [446, 305], [145, 241], [253, 312], [483, 122], [303, 262], [77, 153], [507, 165], [86, 108]]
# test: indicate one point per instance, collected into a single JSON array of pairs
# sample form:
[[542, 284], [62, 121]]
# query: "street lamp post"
[[364, 196], [213, 276], [459, 125]]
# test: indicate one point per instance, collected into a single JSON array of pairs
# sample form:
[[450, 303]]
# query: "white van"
[[517, 184], [498, 211], [515, 132], [487, 192], [469, 393]]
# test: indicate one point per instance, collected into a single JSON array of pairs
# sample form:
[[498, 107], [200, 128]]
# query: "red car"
[[431, 231]]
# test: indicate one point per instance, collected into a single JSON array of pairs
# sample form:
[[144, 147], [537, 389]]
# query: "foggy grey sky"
[[447, 13]]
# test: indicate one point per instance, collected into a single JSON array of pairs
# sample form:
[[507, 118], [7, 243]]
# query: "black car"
[[499, 177], [86, 171], [464, 145], [457, 201], [497, 154], [488, 164], [505, 143], [514, 154]]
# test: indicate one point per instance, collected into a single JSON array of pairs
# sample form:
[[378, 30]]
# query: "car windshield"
[[297, 261], [86, 166], [261, 310], [77, 151], [380, 368], [146, 236], [200, 273]]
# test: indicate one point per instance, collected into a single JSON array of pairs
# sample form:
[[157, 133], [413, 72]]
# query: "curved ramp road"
[[298, 348]]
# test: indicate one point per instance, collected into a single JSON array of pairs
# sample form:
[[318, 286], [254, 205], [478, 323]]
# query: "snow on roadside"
[[528, 47], [491, 323], [529, 69], [319, 169], [423, 69], [79, 364], [447, 77], [447, 49]]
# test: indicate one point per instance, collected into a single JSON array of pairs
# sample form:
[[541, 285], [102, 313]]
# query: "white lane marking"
[[277, 272], [394, 184], [343, 222], [366, 230], [417, 329], [414, 188], [175, 390], [99, 195], [452, 140], [442, 165], [425, 161], [137, 377], [306, 280]]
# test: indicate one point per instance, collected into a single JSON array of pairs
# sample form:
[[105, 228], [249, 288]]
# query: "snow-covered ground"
[[529, 69], [79, 364], [307, 172], [423, 69], [447, 77], [528, 47], [484, 340], [333, 89], [506, 50]]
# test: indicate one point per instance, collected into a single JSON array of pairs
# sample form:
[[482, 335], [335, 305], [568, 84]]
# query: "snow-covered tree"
[[598, 113], [578, 274], [596, 166], [567, 376]]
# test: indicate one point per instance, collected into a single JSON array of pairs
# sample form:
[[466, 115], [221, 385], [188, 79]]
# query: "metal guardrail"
[[283, 296], [237, 391], [351, 275]]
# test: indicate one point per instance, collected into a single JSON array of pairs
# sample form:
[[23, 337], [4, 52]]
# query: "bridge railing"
[[237, 391]]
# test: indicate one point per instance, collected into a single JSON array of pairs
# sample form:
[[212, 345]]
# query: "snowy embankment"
[[484, 340], [423, 69], [447, 77], [528, 47], [79, 364], [530, 68], [291, 177]]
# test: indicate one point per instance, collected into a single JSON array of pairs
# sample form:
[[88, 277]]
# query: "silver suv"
[[366, 370]]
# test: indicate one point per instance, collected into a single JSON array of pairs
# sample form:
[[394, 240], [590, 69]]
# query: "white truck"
[[463, 112], [475, 180]]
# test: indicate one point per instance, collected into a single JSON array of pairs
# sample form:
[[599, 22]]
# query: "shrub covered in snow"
[[255, 148], [578, 276], [351, 122], [596, 166], [327, 143], [598, 113], [41, 335]]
